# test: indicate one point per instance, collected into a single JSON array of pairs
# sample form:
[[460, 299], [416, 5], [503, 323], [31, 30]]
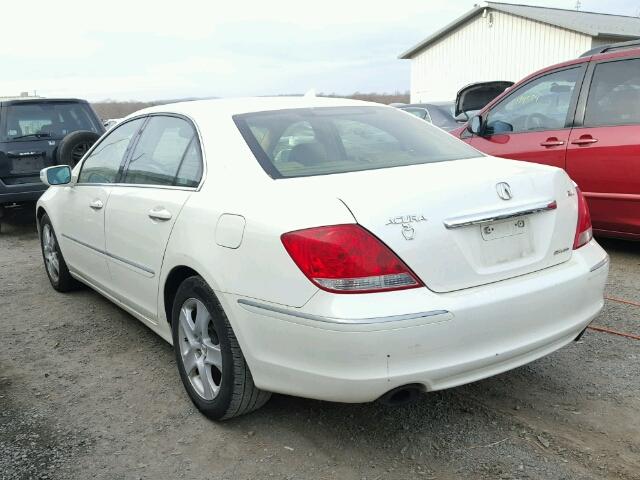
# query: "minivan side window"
[[103, 165], [167, 154], [542, 104], [614, 95]]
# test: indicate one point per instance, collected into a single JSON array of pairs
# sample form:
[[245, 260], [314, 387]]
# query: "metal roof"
[[36, 99], [588, 23]]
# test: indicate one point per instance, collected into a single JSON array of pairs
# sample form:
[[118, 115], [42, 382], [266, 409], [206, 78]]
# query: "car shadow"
[[18, 220], [615, 245]]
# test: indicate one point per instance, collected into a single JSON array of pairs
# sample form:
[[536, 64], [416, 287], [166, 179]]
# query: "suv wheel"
[[211, 365], [73, 147]]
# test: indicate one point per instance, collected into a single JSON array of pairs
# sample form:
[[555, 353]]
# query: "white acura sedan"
[[324, 248]]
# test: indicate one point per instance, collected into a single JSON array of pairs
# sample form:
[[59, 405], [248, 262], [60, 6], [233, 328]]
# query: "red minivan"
[[583, 116]]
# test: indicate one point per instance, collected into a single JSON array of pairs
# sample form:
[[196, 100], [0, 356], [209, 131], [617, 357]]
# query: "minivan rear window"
[[327, 140]]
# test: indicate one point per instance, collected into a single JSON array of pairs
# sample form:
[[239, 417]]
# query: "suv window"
[[167, 154], [103, 164], [542, 104], [48, 120], [614, 96]]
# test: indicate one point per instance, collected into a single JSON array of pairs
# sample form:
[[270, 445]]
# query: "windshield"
[[442, 116], [52, 120], [326, 140]]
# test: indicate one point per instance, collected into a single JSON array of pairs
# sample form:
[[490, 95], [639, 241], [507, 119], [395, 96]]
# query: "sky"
[[158, 50]]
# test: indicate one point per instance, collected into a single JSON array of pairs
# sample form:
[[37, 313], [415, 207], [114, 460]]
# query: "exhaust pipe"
[[402, 395]]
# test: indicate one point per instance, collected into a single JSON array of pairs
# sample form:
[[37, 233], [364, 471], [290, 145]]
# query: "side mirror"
[[58, 175], [475, 125]]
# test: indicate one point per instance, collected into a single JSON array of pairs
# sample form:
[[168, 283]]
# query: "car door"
[[82, 223], [163, 169], [603, 156], [533, 122]]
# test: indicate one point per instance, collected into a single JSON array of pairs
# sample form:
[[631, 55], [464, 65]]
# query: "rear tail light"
[[584, 231], [348, 259]]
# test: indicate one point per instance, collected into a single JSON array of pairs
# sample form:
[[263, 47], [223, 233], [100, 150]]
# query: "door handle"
[[586, 140], [96, 204], [160, 213], [552, 142]]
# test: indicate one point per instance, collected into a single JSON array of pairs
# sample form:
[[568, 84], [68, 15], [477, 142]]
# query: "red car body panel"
[[604, 161]]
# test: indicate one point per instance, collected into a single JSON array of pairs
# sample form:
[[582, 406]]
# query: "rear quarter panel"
[[235, 184]]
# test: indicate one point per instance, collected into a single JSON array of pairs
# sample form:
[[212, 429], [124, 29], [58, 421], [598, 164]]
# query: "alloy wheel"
[[51, 259], [200, 348]]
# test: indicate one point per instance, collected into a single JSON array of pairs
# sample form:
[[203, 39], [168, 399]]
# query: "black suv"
[[32, 130]]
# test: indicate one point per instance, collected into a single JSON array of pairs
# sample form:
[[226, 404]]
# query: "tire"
[[203, 341], [54, 263], [73, 147]]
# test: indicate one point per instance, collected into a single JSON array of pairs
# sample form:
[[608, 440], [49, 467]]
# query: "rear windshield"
[[47, 120], [326, 140]]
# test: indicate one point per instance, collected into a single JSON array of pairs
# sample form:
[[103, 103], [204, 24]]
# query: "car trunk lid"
[[465, 223]]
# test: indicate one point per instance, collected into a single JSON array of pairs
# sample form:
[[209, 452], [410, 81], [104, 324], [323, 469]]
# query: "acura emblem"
[[408, 232], [504, 191]]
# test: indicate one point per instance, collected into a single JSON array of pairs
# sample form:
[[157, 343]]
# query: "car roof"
[[16, 100], [233, 106], [429, 104]]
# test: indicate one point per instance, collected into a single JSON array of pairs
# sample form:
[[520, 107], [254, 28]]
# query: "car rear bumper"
[[25, 192], [355, 348]]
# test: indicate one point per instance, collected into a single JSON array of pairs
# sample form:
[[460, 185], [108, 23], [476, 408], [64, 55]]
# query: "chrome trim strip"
[[137, 185], [505, 214], [600, 264], [111, 255], [343, 321]]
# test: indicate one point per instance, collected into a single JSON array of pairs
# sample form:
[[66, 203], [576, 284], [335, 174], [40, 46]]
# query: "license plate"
[[27, 165], [508, 228]]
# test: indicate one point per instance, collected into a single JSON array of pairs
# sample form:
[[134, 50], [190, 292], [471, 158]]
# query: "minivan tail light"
[[584, 230], [348, 259]]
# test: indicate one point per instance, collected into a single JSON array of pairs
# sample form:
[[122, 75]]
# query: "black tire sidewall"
[[71, 141], [196, 287]]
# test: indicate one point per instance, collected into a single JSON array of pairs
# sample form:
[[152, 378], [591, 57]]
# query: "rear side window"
[[103, 165], [542, 104], [167, 154], [614, 95], [326, 140]]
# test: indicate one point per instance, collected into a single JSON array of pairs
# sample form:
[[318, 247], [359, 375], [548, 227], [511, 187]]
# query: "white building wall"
[[499, 46]]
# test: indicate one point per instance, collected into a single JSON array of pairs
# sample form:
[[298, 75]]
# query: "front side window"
[[167, 154], [327, 140], [614, 96], [542, 104], [51, 120], [103, 165]]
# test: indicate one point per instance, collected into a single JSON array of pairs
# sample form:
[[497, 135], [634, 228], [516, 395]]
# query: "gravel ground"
[[86, 391]]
